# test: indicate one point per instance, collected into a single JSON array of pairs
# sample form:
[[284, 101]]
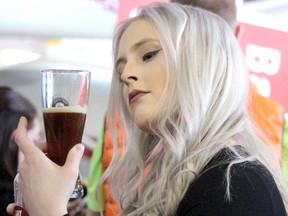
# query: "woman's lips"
[[135, 94]]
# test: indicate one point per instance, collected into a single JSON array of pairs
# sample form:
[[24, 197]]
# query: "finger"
[[74, 157], [42, 147], [21, 139], [10, 208]]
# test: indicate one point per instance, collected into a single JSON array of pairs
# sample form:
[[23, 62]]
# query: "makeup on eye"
[[151, 54], [146, 57]]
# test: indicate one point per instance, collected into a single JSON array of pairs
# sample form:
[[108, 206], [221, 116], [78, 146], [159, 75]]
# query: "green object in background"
[[285, 148]]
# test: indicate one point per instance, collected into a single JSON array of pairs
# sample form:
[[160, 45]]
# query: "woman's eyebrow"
[[143, 41], [135, 47]]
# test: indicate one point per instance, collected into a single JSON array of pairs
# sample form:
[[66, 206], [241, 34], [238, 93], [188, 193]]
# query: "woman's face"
[[142, 69]]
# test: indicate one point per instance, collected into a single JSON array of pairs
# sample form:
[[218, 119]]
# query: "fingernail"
[[80, 148]]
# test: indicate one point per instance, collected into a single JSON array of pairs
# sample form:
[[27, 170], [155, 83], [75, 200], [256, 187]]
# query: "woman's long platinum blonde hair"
[[203, 110]]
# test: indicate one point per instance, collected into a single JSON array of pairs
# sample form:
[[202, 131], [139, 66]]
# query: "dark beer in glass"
[[65, 96]]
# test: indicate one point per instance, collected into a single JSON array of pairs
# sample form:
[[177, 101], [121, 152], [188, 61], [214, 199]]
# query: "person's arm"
[[46, 187]]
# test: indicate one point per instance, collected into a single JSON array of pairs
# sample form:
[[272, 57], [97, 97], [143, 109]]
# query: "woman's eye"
[[150, 55]]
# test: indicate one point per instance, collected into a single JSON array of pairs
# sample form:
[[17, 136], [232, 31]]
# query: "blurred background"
[[76, 34]]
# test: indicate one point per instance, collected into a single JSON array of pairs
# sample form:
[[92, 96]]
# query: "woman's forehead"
[[138, 30]]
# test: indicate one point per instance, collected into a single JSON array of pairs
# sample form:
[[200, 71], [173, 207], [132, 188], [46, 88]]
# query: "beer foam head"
[[66, 109]]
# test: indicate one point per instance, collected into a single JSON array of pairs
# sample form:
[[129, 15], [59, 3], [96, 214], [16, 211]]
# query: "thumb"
[[74, 157]]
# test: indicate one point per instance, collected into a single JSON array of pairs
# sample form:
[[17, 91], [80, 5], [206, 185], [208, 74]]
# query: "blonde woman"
[[180, 89]]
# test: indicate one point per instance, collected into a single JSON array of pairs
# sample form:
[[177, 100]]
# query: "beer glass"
[[65, 96]]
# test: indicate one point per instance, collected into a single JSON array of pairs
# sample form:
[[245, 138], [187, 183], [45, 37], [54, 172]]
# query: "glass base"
[[78, 191]]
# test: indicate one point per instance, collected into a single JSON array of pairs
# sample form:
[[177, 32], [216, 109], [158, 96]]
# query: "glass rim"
[[65, 71]]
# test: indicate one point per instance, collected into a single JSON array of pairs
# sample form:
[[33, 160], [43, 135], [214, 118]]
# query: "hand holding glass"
[[65, 96]]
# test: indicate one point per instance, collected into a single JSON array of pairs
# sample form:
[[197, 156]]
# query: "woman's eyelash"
[[150, 55], [147, 56]]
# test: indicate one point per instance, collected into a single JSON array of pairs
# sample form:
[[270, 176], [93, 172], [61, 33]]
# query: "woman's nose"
[[131, 78], [130, 74]]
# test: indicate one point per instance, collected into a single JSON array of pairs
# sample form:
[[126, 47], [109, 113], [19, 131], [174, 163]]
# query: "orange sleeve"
[[268, 116]]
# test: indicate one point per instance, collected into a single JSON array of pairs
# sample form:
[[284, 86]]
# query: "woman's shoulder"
[[252, 189]]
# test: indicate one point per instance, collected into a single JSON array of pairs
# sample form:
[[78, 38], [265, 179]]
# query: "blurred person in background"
[[266, 113], [12, 106]]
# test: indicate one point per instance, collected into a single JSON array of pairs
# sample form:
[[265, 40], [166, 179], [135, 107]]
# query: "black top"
[[253, 191]]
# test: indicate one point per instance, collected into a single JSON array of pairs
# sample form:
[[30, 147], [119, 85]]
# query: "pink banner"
[[127, 8], [266, 53]]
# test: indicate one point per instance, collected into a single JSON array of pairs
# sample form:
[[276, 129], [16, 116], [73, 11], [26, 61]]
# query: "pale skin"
[[142, 68], [46, 186], [33, 134]]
